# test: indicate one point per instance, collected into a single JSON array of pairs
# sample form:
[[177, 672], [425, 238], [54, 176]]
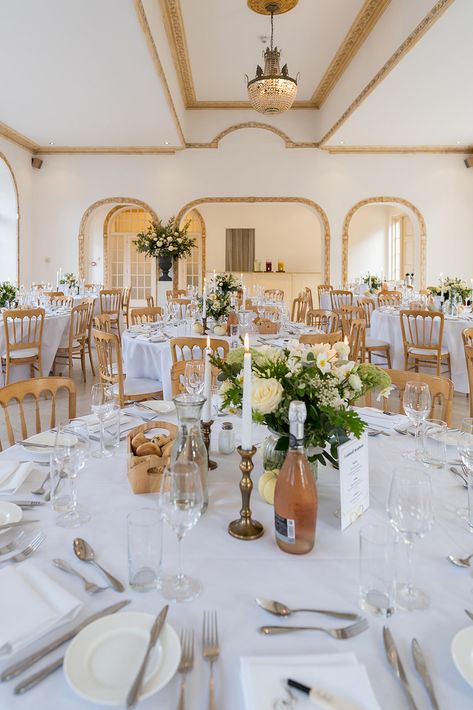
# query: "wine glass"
[[410, 510], [465, 449], [181, 504], [417, 403], [194, 376], [101, 403], [71, 451]]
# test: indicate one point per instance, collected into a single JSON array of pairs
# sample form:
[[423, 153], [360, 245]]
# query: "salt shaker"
[[226, 439]]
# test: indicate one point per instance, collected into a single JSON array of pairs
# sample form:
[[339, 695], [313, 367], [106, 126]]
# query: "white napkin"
[[32, 605], [93, 425], [376, 418], [263, 679], [12, 475]]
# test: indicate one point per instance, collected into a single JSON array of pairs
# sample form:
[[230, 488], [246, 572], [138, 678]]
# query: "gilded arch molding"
[[383, 199], [288, 142], [17, 195], [118, 202], [252, 199]]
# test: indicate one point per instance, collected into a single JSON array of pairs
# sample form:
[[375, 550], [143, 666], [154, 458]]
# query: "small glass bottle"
[[189, 444], [226, 439], [295, 496]]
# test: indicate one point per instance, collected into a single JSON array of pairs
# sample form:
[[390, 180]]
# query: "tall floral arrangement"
[[454, 287], [69, 279], [227, 283], [219, 300], [374, 283], [8, 294], [319, 375], [165, 239]]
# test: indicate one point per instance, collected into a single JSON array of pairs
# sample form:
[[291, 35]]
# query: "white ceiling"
[[79, 73]]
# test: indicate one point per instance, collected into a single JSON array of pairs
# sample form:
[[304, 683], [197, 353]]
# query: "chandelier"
[[272, 90]]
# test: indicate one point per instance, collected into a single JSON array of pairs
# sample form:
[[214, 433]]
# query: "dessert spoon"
[[279, 609], [460, 561], [86, 553]]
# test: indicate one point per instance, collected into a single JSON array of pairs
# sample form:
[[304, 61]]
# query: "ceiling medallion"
[[272, 90], [261, 6]]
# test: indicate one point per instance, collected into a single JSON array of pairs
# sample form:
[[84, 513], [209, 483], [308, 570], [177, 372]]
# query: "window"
[[127, 266]]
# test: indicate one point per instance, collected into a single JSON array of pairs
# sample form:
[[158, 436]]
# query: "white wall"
[[247, 163], [283, 231]]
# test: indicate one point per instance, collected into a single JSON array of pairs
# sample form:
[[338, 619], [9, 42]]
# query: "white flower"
[[323, 363], [171, 248], [342, 349], [344, 370], [385, 392], [179, 240], [354, 382], [265, 395], [169, 239], [160, 244], [176, 234], [155, 239]]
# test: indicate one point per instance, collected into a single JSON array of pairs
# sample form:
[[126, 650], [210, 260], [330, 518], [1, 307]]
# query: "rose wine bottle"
[[295, 497]]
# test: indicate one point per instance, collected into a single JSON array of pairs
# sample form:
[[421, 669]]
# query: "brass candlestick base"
[[246, 528], [206, 429], [204, 326]]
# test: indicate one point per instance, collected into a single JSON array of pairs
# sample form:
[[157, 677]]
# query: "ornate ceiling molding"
[[288, 142], [18, 138], [422, 28], [251, 199], [143, 20], [403, 149], [17, 194], [383, 200]]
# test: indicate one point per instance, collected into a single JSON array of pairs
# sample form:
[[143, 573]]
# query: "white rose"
[[171, 248], [160, 244], [169, 239], [265, 395], [342, 349], [355, 382], [176, 233]]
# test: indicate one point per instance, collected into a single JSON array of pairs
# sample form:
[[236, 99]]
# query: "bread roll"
[[138, 440], [161, 439], [148, 449], [166, 449]]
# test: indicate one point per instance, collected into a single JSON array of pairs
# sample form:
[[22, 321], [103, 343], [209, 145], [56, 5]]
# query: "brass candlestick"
[[204, 326], [246, 528], [206, 429]]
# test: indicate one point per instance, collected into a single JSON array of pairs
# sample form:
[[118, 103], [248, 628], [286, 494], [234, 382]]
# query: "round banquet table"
[[386, 325], [234, 572], [326, 301], [55, 326]]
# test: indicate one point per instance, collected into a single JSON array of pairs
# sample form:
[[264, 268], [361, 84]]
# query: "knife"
[[38, 446], [27, 503], [17, 668], [134, 693], [423, 671], [393, 658], [7, 526], [323, 698]]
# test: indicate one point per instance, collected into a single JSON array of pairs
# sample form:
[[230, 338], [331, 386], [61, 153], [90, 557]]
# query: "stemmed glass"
[[101, 403], [194, 376], [417, 403], [465, 449], [71, 451], [410, 510], [181, 505]]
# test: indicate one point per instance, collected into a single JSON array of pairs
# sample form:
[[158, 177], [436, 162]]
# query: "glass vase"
[[189, 444], [273, 458]]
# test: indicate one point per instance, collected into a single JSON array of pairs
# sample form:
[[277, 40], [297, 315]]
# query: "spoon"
[[89, 586], [85, 552], [42, 490], [279, 609], [460, 561], [400, 430], [469, 614]]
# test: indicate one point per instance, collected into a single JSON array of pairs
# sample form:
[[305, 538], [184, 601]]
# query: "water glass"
[[417, 402], [194, 376], [145, 546], [61, 498], [101, 402], [71, 451], [111, 430], [465, 449], [434, 443], [378, 569]]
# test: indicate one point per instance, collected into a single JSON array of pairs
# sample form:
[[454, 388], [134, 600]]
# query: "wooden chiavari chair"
[[23, 330], [317, 338], [145, 315], [299, 309], [90, 302], [61, 301], [422, 336], [441, 392], [193, 348], [126, 294], [111, 304], [43, 390], [339, 298], [373, 346], [102, 322], [348, 314], [177, 376], [310, 300], [110, 363], [175, 293], [73, 346], [323, 288], [356, 339], [323, 320], [150, 301], [274, 294], [53, 294], [389, 298]]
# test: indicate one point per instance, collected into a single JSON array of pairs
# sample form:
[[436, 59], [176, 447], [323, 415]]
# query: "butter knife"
[[7, 526], [17, 668], [28, 503], [423, 671], [393, 658], [134, 693], [37, 446]]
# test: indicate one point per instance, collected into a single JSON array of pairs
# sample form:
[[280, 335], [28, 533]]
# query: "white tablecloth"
[[386, 325], [234, 572], [55, 326]]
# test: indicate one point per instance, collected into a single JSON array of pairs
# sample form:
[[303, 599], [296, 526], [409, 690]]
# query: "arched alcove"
[[9, 223]]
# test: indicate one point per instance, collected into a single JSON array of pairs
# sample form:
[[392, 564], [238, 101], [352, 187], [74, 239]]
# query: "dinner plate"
[[9, 513], [161, 406], [102, 661], [462, 653], [46, 439]]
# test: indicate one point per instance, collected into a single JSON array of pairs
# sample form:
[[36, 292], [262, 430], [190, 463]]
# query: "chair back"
[[389, 298], [145, 315], [441, 391], [274, 294], [356, 339], [61, 301], [44, 391], [308, 295], [111, 301], [469, 368], [299, 309], [23, 329], [340, 298], [316, 338], [53, 294], [193, 348], [150, 301], [422, 330], [323, 288], [349, 314], [126, 295], [109, 358], [79, 324], [264, 326], [322, 319], [175, 293], [467, 336], [367, 305], [177, 376], [103, 323]]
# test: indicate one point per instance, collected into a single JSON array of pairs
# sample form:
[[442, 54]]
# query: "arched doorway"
[[9, 223], [419, 235]]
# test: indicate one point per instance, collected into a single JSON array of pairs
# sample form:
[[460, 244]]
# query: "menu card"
[[354, 479]]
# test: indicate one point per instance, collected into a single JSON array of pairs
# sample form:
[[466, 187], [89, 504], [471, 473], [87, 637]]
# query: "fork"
[[42, 490], [210, 650], [29, 549], [187, 661], [346, 632]]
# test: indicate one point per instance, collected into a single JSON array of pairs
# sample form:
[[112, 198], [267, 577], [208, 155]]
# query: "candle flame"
[[208, 341], [247, 343], [345, 340]]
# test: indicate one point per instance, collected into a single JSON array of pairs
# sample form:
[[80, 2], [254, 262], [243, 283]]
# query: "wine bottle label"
[[285, 529]]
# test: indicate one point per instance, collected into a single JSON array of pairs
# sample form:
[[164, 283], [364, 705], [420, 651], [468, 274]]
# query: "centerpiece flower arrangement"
[[8, 294], [319, 375], [219, 300], [165, 239], [70, 280], [227, 283], [455, 287], [374, 283]]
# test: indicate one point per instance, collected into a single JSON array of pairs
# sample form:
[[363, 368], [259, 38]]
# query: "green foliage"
[[165, 239]]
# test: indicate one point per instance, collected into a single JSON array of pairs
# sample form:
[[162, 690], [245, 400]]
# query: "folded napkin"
[[375, 418], [93, 424], [263, 679], [12, 475], [32, 605]]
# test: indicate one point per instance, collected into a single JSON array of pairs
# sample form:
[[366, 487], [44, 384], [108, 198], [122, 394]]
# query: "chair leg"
[[91, 360], [82, 362], [70, 363]]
